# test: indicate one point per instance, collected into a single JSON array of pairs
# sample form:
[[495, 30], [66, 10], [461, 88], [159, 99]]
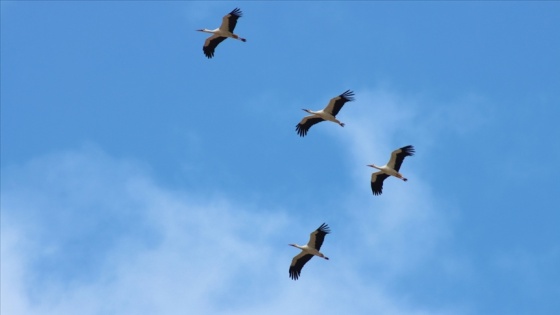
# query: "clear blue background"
[[140, 177]]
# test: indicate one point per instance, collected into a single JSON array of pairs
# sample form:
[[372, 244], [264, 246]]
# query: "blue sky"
[[140, 177]]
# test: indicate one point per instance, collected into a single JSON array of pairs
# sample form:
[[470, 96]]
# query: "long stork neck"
[[375, 166], [311, 112]]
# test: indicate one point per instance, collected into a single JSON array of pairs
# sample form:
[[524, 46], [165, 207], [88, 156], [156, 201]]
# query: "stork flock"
[[391, 168]]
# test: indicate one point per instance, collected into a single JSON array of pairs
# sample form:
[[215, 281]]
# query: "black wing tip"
[[376, 188], [209, 54], [324, 228], [408, 150], [301, 131], [294, 276], [348, 95], [236, 12]]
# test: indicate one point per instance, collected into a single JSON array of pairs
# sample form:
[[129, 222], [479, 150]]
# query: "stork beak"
[[370, 165]]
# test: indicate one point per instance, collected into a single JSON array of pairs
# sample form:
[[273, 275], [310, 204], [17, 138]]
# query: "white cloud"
[[406, 220], [101, 237], [12, 272]]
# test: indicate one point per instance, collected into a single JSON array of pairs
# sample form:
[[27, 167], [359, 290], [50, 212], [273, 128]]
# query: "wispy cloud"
[[405, 225], [156, 250]]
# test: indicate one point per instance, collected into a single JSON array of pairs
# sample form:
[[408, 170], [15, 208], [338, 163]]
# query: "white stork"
[[312, 248], [390, 169], [220, 34], [328, 113]]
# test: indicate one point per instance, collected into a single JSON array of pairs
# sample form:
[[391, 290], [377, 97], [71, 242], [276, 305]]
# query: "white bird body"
[[225, 30], [390, 169], [220, 32], [328, 113], [312, 248], [325, 115]]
